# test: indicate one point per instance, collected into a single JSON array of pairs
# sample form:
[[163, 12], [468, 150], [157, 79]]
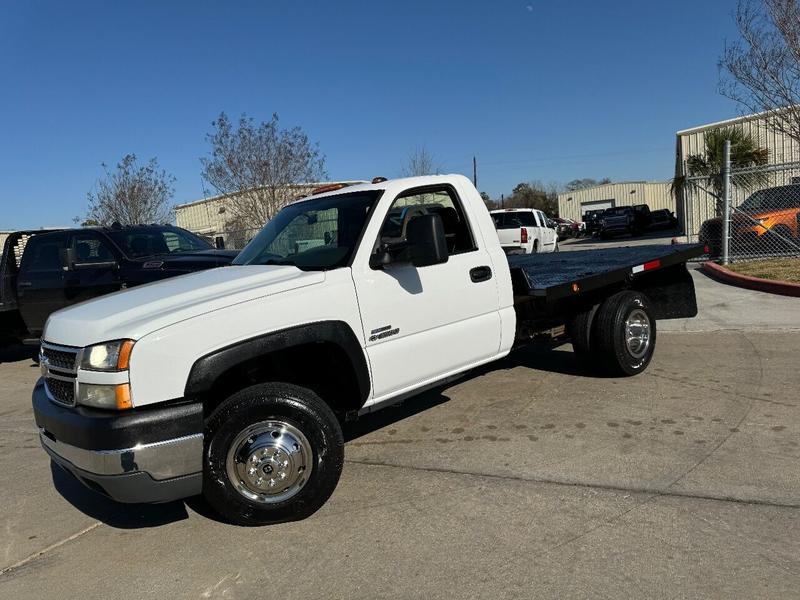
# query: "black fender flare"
[[207, 369]]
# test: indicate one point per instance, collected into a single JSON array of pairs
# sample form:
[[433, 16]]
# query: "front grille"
[[60, 358], [60, 390]]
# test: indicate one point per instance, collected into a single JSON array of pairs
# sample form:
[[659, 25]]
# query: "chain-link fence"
[[745, 214]]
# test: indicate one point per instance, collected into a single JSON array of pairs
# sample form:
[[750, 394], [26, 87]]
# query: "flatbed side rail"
[[557, 286]]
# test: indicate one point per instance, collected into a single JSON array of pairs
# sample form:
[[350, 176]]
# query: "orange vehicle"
[[755, 221]]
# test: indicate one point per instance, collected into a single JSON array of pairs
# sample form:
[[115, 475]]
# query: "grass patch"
[[782, 269]]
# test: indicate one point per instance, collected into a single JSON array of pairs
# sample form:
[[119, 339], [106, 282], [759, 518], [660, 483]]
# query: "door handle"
[[478, 274]]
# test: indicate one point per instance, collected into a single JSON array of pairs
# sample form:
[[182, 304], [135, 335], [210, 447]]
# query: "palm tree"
[[706, 168]]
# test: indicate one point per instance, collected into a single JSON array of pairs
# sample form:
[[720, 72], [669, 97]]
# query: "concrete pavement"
[[524, 479]]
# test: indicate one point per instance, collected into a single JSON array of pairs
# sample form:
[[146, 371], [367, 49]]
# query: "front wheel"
[[624, 334], [273, 453]]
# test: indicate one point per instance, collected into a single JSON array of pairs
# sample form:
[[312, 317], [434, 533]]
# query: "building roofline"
[[312, 184], [641, 182], [732, 121]]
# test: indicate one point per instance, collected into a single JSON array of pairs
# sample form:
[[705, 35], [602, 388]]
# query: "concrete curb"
[[770, 286]]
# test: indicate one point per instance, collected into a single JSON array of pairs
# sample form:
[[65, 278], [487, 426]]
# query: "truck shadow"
[[17, 353], [552, 357], [114, 514]]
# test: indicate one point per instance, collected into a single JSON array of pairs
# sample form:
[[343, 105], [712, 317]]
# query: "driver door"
[[423, 324]]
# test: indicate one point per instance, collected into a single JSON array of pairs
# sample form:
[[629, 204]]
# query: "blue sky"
[[549, 90]]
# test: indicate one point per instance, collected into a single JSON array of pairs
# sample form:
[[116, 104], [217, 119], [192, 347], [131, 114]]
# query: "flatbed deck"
[[555, 276]]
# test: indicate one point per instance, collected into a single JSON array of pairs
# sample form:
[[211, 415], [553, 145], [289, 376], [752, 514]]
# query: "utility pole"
[[475, 171], [502, 200]]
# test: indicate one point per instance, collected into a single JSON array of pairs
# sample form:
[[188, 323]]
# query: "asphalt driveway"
[[526, 479]]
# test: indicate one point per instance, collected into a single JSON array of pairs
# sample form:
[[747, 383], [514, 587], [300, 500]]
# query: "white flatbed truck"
[[233, 382]]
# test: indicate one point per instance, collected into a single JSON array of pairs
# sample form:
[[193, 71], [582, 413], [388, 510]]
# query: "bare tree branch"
[[762, 70], [132, 194], [420, 162], [259, 166]]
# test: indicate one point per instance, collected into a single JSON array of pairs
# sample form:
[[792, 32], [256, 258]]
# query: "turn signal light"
[[123, 394]]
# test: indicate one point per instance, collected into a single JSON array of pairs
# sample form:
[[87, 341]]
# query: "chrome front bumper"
[[160, 460], [141, 455]]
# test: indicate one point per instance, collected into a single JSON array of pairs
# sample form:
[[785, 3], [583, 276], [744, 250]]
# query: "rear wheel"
[[535, 247], [273, 453], [624, 334], [580, 332]]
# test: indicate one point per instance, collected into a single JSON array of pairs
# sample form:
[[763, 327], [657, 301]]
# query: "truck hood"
[[135, 312], [189, 261]]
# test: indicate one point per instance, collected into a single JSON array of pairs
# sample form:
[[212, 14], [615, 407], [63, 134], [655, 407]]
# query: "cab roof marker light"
[[328, 188]]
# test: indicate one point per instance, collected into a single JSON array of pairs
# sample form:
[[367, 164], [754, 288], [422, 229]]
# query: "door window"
[[43, 254], [90, 248], [415, 203]]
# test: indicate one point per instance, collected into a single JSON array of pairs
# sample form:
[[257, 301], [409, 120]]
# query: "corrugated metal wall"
[[656, 194], [699, 206]]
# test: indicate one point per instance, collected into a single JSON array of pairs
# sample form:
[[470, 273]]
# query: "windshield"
[[313, 235], [772, 199], [140, 243]]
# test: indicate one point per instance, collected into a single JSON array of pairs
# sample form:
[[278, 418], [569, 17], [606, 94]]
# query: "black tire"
[[290, 404], [608, 342], [580, 332]]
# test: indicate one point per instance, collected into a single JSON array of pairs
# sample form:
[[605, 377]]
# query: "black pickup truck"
[[44, 271]]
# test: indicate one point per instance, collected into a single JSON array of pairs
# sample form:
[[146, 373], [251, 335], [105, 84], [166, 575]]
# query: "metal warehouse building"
[[698, 206], [656, 194]]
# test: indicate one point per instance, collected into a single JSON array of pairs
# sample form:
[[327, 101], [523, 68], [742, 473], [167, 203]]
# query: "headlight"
[[105, 396], [109, 356]]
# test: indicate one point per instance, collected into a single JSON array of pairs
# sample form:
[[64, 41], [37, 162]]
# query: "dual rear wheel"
[[617, 337]]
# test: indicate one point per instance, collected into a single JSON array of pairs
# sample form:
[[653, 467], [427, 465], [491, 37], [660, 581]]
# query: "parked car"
[[567, 228], [755, 222], [524, 231], [591, 218], [618, 220], [42, 272], [663, 219], [234, 383]]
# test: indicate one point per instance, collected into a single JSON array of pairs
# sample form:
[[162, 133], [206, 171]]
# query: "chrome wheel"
[[637, 333], [269, 462]]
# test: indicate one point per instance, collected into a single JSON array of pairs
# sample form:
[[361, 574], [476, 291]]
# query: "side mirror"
[[380, 258], [427, 244]]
